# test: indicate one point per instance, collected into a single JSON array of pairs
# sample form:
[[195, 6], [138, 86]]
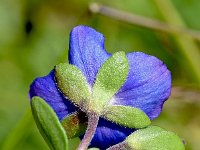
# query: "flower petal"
[[86, 51], [45, 88], [148, 84], [108, 134]]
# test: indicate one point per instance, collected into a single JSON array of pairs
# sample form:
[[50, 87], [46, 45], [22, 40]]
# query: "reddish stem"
[[93, 119]]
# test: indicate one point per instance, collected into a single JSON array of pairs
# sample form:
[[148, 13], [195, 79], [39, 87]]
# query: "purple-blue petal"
[[86, 51], [46, 88], [148, 84], [108, 134]]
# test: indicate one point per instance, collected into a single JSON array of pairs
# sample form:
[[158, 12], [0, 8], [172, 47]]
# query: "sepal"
[[110, 78], [73, 84], [74, 124], [153, 138], [127, 116]]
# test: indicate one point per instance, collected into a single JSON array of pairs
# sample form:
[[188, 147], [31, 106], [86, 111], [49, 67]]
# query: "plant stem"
[[186, 44], [142, 21], [120, 146], [93, 119]]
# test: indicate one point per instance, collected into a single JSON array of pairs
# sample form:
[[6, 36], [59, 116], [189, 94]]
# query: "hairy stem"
[[120, 146], [93, 119]]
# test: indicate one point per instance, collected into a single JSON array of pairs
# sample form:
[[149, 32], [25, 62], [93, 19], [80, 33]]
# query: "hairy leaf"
[[110, 78], [72, 83], [127, 116], [154, 138]]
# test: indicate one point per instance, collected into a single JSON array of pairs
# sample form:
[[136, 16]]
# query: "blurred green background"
[[34, 37]]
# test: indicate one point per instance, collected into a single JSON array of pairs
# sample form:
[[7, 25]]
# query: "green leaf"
[[110, 78], [154, 138], [49, 125], [72, 83], [127, 116], [74, 125]]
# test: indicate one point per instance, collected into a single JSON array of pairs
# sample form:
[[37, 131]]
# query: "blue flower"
[[147, 87]]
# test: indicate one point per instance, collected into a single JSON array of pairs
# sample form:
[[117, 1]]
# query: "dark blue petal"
[[148, 84], [86, 51], [108, 134], [46, 88]]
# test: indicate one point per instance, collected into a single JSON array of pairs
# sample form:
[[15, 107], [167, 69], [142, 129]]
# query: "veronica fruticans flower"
[[147, 85]]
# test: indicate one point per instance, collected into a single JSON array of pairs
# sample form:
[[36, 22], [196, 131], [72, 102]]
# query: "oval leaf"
[[154, 138], [74, 124], [110, 78], [72, 83], [48, 124], [127, 116]]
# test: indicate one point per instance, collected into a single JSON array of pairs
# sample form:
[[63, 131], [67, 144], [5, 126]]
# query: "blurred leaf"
[[10, 23], [18, 133]]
